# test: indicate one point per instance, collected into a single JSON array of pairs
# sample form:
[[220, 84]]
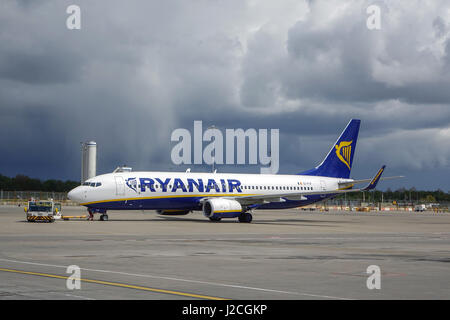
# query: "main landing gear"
[[104, 217], [245, 217]]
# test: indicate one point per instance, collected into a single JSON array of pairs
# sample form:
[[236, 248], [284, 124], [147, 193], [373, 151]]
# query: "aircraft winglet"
[[375, 180]]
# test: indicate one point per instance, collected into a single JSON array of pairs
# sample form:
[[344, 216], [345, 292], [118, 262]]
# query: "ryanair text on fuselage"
[[172, 185]]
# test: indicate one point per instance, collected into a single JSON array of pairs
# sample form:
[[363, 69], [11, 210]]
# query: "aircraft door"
[[120, 186], [323, 187]]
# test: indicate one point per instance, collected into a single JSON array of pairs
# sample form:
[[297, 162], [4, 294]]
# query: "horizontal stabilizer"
[[353, 182]]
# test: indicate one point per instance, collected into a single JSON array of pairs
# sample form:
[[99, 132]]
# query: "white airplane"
[[225, 195]]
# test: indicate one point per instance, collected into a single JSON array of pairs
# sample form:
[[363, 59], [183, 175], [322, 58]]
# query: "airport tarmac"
[[289, 254]]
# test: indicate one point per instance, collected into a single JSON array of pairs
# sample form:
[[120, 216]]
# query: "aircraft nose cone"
[[75, 194]]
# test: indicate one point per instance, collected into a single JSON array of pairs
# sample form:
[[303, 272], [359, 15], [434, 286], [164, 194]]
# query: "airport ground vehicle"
[[43, 210], [420, 208]]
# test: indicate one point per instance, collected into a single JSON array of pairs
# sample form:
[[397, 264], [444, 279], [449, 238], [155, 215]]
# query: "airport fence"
[[359, 205], [22, 197]]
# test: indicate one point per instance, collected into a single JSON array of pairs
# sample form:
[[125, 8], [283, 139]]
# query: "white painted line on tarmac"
[[236, 286], [78, 297]]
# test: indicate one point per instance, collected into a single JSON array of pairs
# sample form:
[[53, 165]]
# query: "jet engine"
[[215, 209]]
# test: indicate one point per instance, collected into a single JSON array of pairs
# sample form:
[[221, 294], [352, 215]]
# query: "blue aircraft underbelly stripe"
[[185, 203]]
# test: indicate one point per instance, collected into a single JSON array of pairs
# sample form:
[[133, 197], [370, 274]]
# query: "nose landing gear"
[[103, 217], [91, 214]]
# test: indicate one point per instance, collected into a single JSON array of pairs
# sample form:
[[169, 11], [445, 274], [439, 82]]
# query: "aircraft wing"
[[281, 197]]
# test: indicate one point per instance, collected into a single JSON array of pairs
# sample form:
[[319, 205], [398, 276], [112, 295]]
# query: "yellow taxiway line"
[[116, 284]]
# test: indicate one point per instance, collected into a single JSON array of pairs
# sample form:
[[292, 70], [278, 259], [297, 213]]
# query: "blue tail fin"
[[338, 162]]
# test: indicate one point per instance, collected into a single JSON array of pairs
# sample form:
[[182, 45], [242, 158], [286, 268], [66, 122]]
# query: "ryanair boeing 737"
[[225, 195]]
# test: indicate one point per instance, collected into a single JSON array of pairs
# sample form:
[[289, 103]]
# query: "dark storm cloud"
[[137, 70], [346, 61], [37, 68]]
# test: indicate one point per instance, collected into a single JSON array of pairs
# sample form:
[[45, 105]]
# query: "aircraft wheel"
[[104, 217], [245, 217], [215, 219]]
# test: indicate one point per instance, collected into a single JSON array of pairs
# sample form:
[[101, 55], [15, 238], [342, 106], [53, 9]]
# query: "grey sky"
[[137, 70]]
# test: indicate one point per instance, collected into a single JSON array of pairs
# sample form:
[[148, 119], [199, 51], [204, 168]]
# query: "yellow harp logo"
[[344, 152]]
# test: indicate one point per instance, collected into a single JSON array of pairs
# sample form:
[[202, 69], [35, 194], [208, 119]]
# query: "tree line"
[[24, 183], [404, 195]]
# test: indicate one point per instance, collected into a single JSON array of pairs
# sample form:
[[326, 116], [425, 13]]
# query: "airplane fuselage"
[[183, 190], [225, 195]]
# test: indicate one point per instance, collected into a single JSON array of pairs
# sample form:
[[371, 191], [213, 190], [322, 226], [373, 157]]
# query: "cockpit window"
[[92, 184]]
